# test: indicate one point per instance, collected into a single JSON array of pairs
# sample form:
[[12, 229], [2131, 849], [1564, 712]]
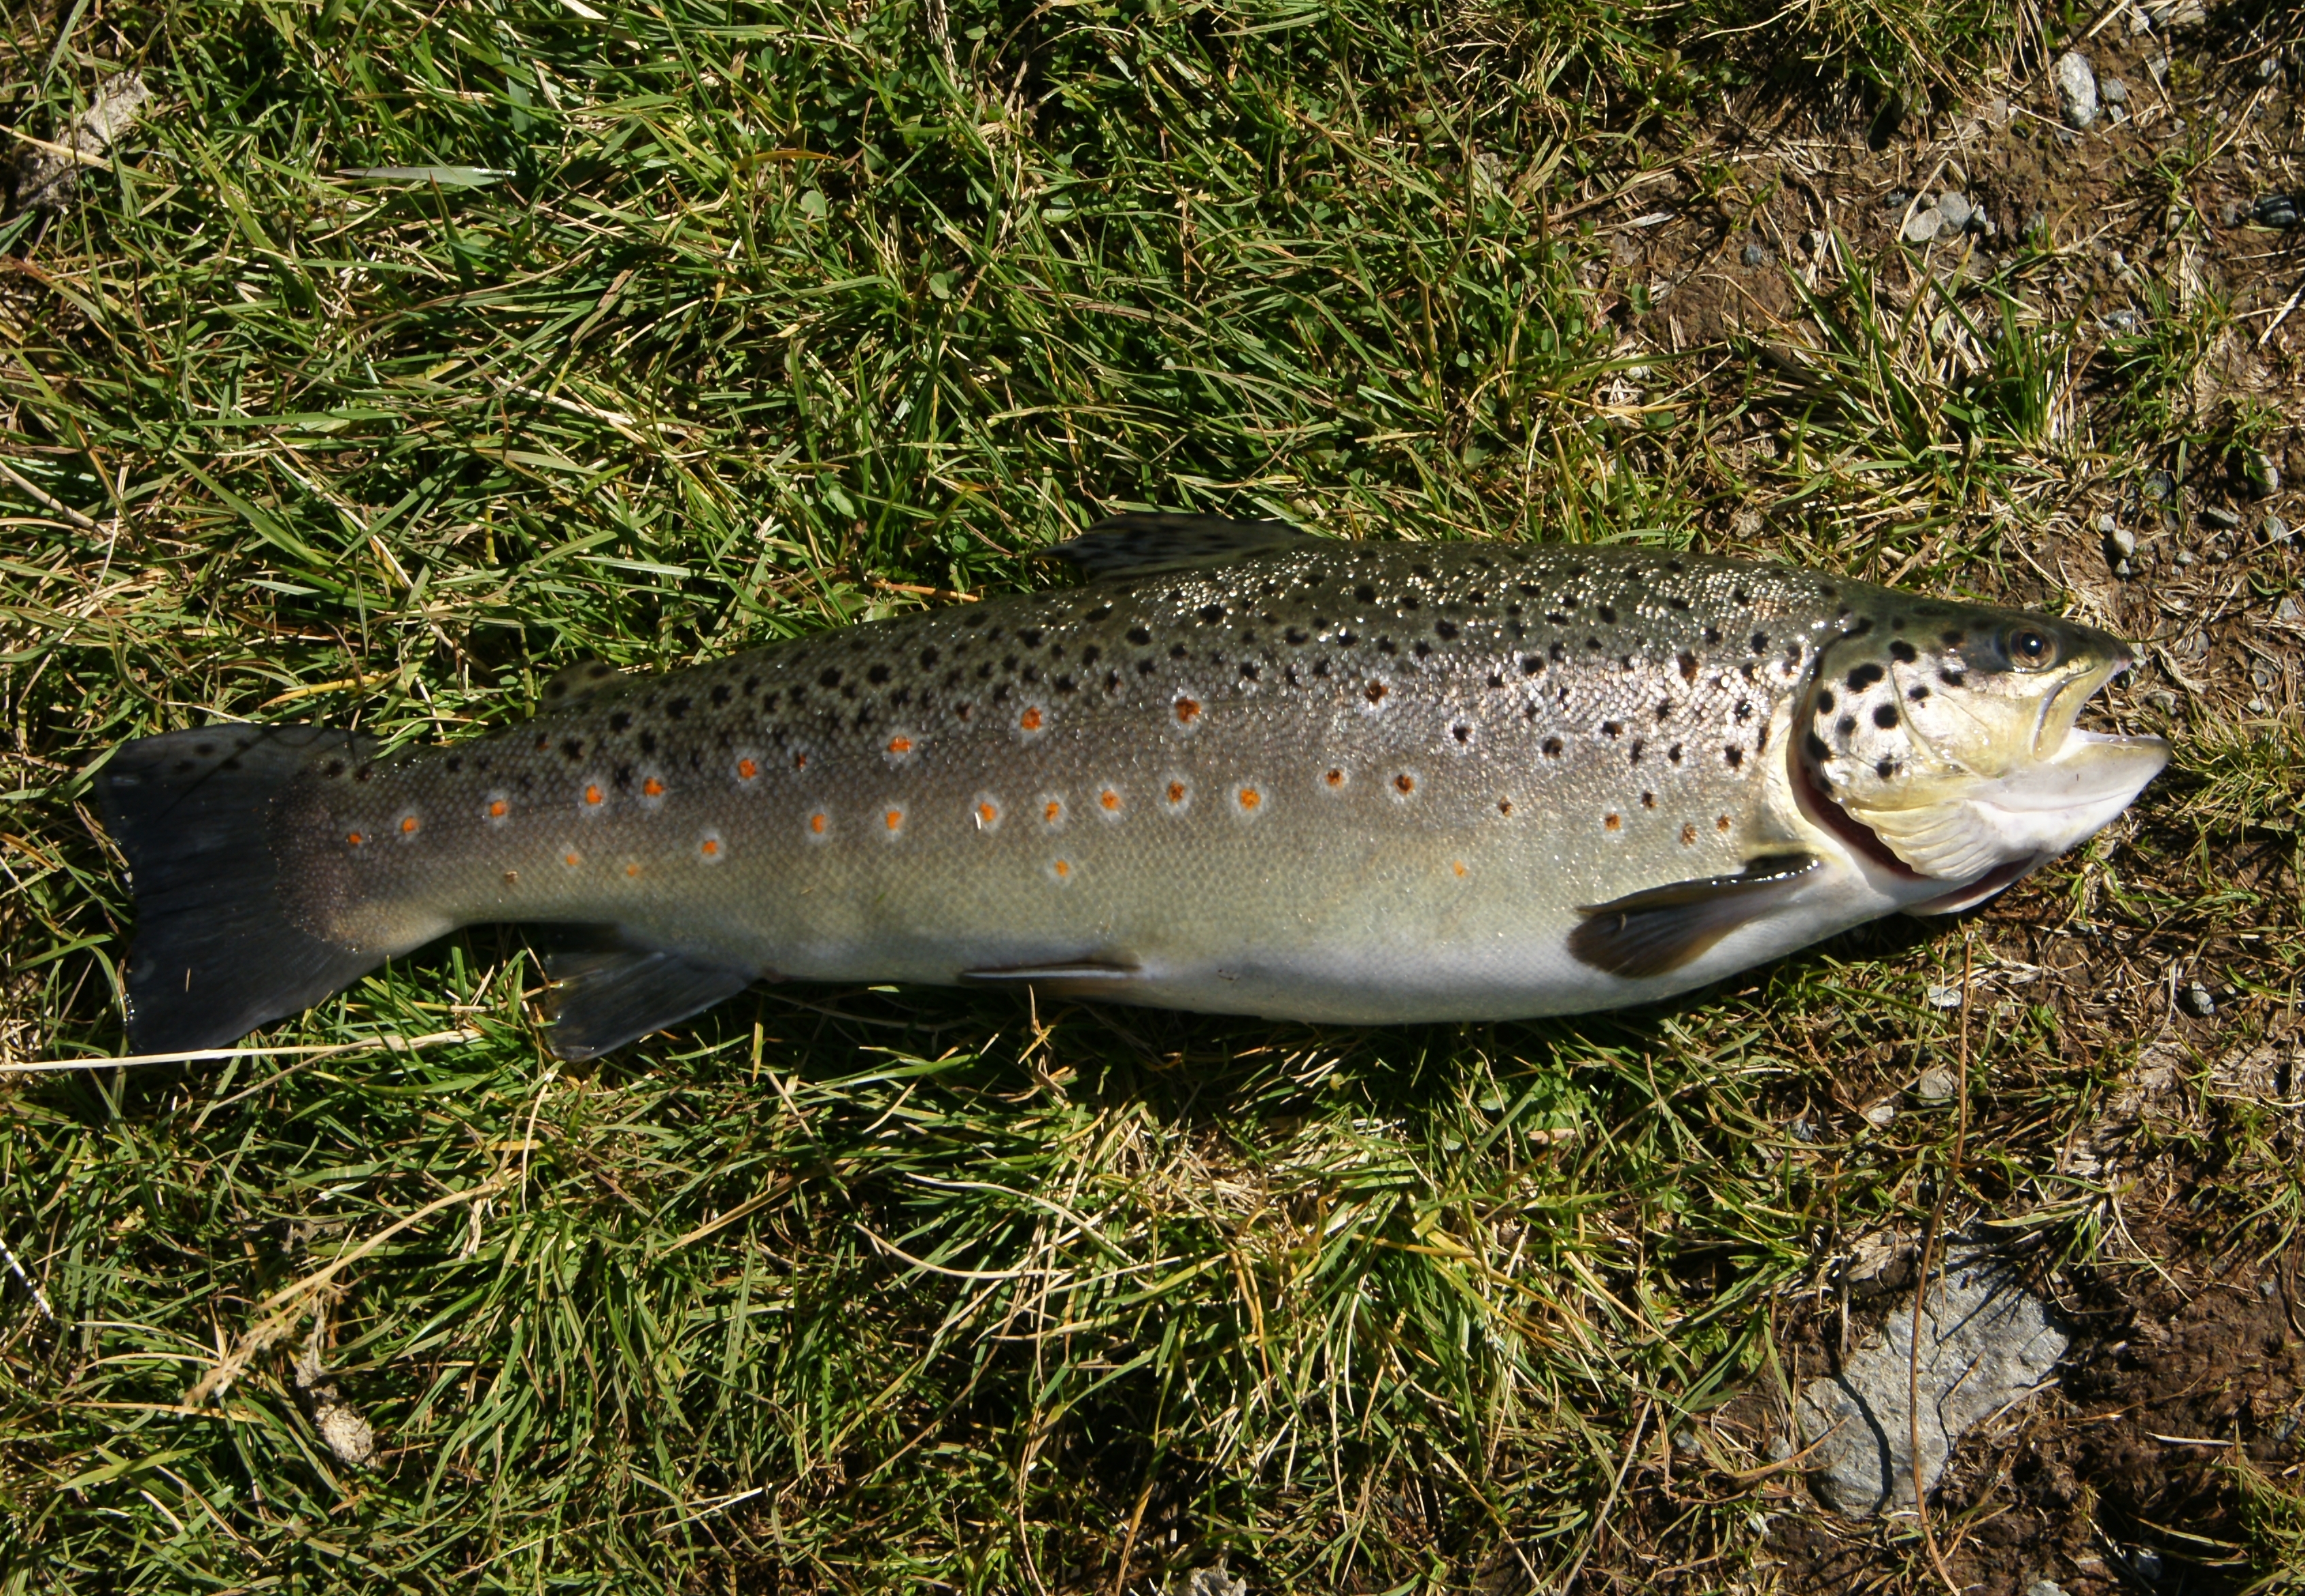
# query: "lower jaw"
[[1979, 891]]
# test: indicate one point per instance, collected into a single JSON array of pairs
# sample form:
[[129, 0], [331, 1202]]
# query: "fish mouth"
[[2063, 707]]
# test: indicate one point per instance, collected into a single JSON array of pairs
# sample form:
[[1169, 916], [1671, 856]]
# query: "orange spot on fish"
[[988, 814], [901, 744], [1612, 821], [709, 847], [592, 794], [498, 809], [1504, 806], [1063, 869], [1689, 835], [570, 860], [1460, 868], [1030, 720], [652, 787], [1721, 824], [816, 823], [512, 877], [746, 770], [1250, 797], [894, 820], [800, 761], [354, 838], [1335, 778], [1175, 791], [1405, 784], [632, 869], [1187, 710], [1053, 812], [408, 824], [1110, 800]]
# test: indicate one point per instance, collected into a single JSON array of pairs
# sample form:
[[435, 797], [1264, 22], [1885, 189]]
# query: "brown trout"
[[1239, 769]]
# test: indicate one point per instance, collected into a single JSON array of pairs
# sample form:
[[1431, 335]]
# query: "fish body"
[[1240, 770]]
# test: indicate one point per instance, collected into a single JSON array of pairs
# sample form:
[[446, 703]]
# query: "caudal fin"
[[215, 955]]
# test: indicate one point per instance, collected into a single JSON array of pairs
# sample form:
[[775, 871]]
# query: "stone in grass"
[[1986, 1342], [2076, 89], [1954, 212], [47, 179], [1214, 1582], [1921, 226]]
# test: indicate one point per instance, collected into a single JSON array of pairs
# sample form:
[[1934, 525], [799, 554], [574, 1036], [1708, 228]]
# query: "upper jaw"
[[2063, 707]]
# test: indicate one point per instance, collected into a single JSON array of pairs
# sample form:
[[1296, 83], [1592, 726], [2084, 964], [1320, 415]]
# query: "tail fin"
[[215, 955]]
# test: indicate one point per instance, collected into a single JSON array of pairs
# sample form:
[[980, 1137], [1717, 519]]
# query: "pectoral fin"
[[605, 997], [1147, 544], [1657, 932]]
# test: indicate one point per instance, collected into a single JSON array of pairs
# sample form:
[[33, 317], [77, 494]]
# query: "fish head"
[[1946, 734]]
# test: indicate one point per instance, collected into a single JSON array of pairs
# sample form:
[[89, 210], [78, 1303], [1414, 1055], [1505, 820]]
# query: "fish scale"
[[1242, 770]]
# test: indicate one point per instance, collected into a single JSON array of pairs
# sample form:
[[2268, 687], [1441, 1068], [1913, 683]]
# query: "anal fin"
[[1146, 545], [604, 997], [1657, 932]]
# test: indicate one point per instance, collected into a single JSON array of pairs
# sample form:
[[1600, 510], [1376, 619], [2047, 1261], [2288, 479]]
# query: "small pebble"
[[1955, 209], [2184, 556], [1882, 1115], [2229, 214], [2266, 70], [1780, 1448], [2146, 1564], [1684, 1441], [2276, 210], [2218, 516], [1937, 1083], [1944, 996], [2105, 524], [2276, 530], [2113, 91], [2123, 541], [2076, 88], [2123, 321], [2160, 487], [2268, 1289], [2259, 471], [1921, 226], [2289, 613], [1814, 243], [1897, 198], [2198, 1001], [1755, 253], [2045, 1587]]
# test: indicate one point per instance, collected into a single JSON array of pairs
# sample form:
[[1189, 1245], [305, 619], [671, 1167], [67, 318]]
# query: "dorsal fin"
[[577, 683], [1147, 544]]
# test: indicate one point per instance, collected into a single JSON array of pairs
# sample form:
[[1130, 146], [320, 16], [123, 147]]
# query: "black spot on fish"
[[621, 721], [1952, 678], [1687, 663], [1139, 636], [721, 695], [1673, 753], [1091, 655], [1613, 728], [1825, 701], [335, 767], [1816, 748], [831, 679], [1760, 642], [1864, 676], [1444, 630], [1530, 664], [1177, 651], [1463, 734], [648, 741], [1918, 694], [1885, 716], [877, 675], [1678, 602], [1859, 628], [1030, 637], [1734, 755], [1903, 652], [1845, 727], [1366, 595], [1885, 769], [573, 748], [456, 764], [1608, 612], [752, 685], [677, 708], [1296, 639], [1712, 634], [1552, 747]]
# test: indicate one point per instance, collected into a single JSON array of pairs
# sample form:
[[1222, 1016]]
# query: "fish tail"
[[216, 953]]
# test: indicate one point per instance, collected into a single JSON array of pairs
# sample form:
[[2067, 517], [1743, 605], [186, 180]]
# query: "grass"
[[719, 325]]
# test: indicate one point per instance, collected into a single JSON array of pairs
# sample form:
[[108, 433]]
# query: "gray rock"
[[2259, 474], [2276, 210], [47, 179], [1955, 210], [2160, 487], [2199, 1003], [1921, 226], [1214, 1582], [2230, 213], [2275, 529], [2267, 70], [2113, 91], [1755, 252], [2076, 89], [1986, 1342], [2121, 541], [2045, 1587], [2219, 517]]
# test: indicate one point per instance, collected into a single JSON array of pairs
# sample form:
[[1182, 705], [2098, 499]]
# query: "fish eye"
[[2029, 648]]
